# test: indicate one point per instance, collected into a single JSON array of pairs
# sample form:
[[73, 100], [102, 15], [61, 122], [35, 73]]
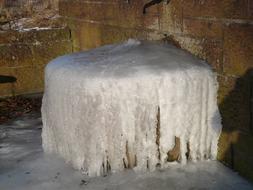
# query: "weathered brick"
[[1, 4], [15, 55], [131, 16], [209, 50], [243, 155], [24, 84], [85, 35], [8, 37], [216, 9], [193, 45], [48, 35], [34, 36], [235, 151], [22, 53], [29, 80], [118, 34], [203, 28], [112, 13], [46, 51], [7, 88], [224, 148], [238, 49], [171, 19], [213, 54], [250, 9], [25, 80], [90, 35], [88, 10], [38, 71], [234, 102]]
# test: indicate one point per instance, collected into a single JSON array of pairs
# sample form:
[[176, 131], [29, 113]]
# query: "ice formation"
[[121, 106]]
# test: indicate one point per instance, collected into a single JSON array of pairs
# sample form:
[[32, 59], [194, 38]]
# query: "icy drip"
[[121, 106]]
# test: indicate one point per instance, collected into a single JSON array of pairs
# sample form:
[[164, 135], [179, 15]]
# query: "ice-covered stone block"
[[121, 106]]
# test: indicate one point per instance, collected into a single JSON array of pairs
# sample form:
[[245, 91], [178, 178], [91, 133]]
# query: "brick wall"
[[220, 32], [17, 14], [25, 54], [25, 3]]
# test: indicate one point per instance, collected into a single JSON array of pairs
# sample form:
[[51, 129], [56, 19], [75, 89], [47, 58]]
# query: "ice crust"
[[100, 107]]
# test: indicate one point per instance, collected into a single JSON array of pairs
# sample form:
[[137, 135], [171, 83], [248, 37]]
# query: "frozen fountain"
[[121, 106]]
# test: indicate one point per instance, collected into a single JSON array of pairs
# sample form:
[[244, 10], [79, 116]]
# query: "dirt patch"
[[14, 107]]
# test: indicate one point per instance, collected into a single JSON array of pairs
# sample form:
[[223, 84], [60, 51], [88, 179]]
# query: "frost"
[[34, 28], [121, 106]]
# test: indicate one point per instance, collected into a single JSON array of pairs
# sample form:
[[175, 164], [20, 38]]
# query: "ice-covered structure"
[[121, 106]]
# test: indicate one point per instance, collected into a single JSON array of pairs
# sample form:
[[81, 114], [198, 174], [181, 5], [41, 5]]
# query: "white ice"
[[100, 107]]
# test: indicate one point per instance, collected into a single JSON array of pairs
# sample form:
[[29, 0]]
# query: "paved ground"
[[24, 166]]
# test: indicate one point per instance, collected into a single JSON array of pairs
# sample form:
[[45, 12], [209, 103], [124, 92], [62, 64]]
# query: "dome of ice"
[[121, 106]]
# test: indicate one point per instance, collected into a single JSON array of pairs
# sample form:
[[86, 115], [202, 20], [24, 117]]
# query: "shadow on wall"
[[236, 141]]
